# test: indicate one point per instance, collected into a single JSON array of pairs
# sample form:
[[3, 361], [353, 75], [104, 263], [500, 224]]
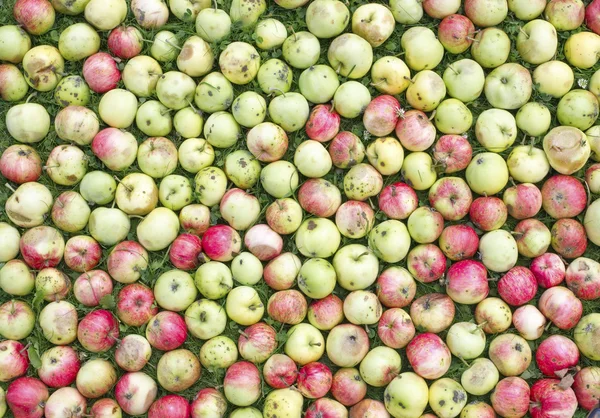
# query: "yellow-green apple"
[[175, 192], [175, 290], [582, 49], [386, 155], [158, 229], [498, 250], [526, 11], [390, 75], [58, 322], [486, 13], [76, 124], [239, 209], [390, 241], [275, 78], [528, 164], [140, 75], [249, 109], [95, 378], [205, 319], [18, 122], [15, 43], [533, 238], [239, 62], [214, 280], [586, 334], [446, 396], [592, 178], [290, 111], [218, 353], [433, 312], [373, 22], [363, 181], [456, 75], [496, 129], [52, 284], [43, 67], [426, 91], [10, 238], [407, 12], [406, 395], [13, 86], [565, 15], [312, 159], [465, 340], [425, 225], [196, 58], [118, 108], [214, 93], [510, 353], [591, 217], [317, 278], [567, 149], [188, 122], [578, 108], [305, 343], [351, 99], [136, 194], [16, 317], [195, 154], [284, 216], [194, 219], [508, 86], [133, 353], [270, 33], [72, 90], [287, 402], [210, 184], [246, 269], [491, 47], [356, 267], [301, 50], [212, 25], [422, 49], [493, 314], [207, 401], [481, 377], [157, 157], [347, 345], [246, 12], [78, 41], [350, 55], [244, 305], [327, 18], [533, 119], [317, 83], [177, 370], [380, 366], [537, 41], [487, 173], [362, 308]]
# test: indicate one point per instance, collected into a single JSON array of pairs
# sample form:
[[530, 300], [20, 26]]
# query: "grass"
[[159, 260]]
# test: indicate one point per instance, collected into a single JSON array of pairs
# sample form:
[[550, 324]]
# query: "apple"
[[18, 118], [481, 377], [98, 331], [240, 209], [108, 226], [287, 307], [301, 50], [13, 86], [560, 189], [317, 83], [458, 242], [467, 282], [101, 73], [347, 345], [422, 49], [178, 370], [170, 405], [396, 288], [14, 360], [407, 12], [446, 396], [58, 321], [214, 280], [510, 353], [283, 401], [76, 124], [208, 401], [65, 401], [60, 366], [380, 366], [494, 315], [586, 387], [257, 342], [452, 152], [569, 238], [118, 108], [26, 397], [95, 378], [351, 99], [312, 159], [362, 308], [390, 75], [533, 238], [496, 129], [16, 320], [415, 131], [426, 262], [175, 290], [523, 200], [153, 118], [194, 219], [42, 247], [52, 284], [280, 273], [581, 49], [20, 164], [11, 237], [150, 14], [125, 42], [135, 392], [133, 353], [323, 124], [70, 212], [433, 312], [270, 33], [244, 305], [390, 241], [35, 16], [15, 43], [92, 286], [16, 278], [284, 216], [591, 216], [585, 334], [549, 397], [166, 331], [537, 41], [406, 395], [451, 197], [581, 277], [346, 150], [373, 23], [314, 380], [356, 267], [592, 178], [455, 32], [556, 353], [488, 213], [141, 75], [527, 164], [205, 319], [327, 18], [317, 278], [578, 108], [426, 91], [115, 148], [280, 371], [305, 343], [326, 313], [428, 356], [326, 407]]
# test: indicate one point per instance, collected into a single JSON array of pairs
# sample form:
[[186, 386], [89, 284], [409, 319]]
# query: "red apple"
[[369, 408], [319, 197], [42, 247], [563, 197], [326, 408], [91, 287], [60, 365], [186, 252], [415, 131], [548, 269], [125, 42], [135, 392], [453, 153], [561, 306], [428, 355], [488, 213], [323, 123], [208, 401], [35, 16], [221, 243], [20, 164], [456, 33], [135, 304], [348, 387], [556, 353], [127, 262], [166, 331], [14, 360], [280, 371], [592, 16], [451, 197], [587, 387], [172, 406], [518, 286], [287, 307], [101, 73], [98, 331], [26, 397], [82, 253], [381, 115], [569, 238], [459, 242], [434, 312], [65, 402], [510, 398], [426, 262], [398, 200], [326, 313], [523, 200], [242, 384], [467, 282], [550, 399], [395, 328], [395, 287], [314, 380], [346, 150], [583, 278], [257, 342]]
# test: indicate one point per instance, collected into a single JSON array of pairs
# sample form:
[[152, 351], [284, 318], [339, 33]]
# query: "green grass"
[[159, 260]]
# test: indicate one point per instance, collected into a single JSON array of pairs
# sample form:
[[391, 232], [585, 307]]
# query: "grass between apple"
[[159, 260]]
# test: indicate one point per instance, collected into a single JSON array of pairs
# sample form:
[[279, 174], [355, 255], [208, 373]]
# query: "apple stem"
[[25, 348], [479, 326], [464, 362], [548, 326], [339, 67], [171, 44], [165, 112], [315, 344], [136, 216], [243, 334], [276, 89], [433, 114], [123, 184], [198, 111], [523, 32], [410, 80], [215, 4], [209, 85], [12, 189], [531, 145], [378, 83], [512, 181], [294, 33], [472, 39], [517, 234], [453, 70], [351, 70]]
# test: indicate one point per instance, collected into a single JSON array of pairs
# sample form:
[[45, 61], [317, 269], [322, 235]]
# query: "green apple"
[[239, 209], [373, 22], [426, 91], [117, 108], [526, 10], [165, 46], [43, 67], [175, 89], [18, 122], [239, 62], [140, 75], [304, 345], [157, 157], [14, 87], [386, 155], [205, 319], [158, 229], [16, 278], [567, 149], [98, 187], [282, 403], [247, 12], [591, 220], [356, 267], [447, 397], [242, 169], [78, 41], [425, 225], [491, 47], [406, 396], [275, 77], [214, 93], [465, 340], [318, 237], [246, 269], [362, 181], [71, 90], [527, 164], [210, 185], [350, 55], [554, 78], [453, 117], [136, 194], [279, 179], [221, 130], [418, 170], [537, 42], [174, 290], [105, 15], [187, 10], [154, 119], [362, 308], [218, 353], [481, 377], [351, 99], [593, 136], [244, 306], [509, 86], [582, 49], [407, 12], [594, 84], [188, 122], [380, 366], [578, 108], [327, 18], [196, 57], [175, 192], [249, 109], [484, 13], [422, 50], [316, 278], [498, 249], [464, 80], [290, 111], [214, 280], [390, 241], [487, 173], [534, 119], [301, 50], [213, 25], [312, 159], [390, 75], [29, 204], [270, 33], [14, 42], [318, 83], [496, 129], [108, 226], [195, 154]]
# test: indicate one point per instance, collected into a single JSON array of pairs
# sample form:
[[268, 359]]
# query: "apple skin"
[[587, 387], [426, 262], [208, 401], [26, 397], [314, 380], [319, 197], [98, 331], [135, 304], [415, 131], [106, 408], [488, 213], [549, 398], [42, 247], [242, 383], [17, 320], [348, 387], [135, 392], [548, 269], [510, 353], [381, 115], [568, 238], [453, 152], [92, 286], [280, 371], [592, 16], [20, 164], [95, 378], [35, 16], [533, 238], [561, 306], [451, 197], [368, 408], [467, 282], [326, 313], [556, 353], [529, 321], [398, 200], [117, 149], [221, 243], [14, 360], [456, 33], [425, 225], [523, 200], [166, 331], [284, 216], [486, 13], [347, 345], [195, 219], [563, 197], [510, 398], [346, 150], [82, 253], [354, 219], [459, 242], [262, 242], [60, 366], [173, 406], [494, 315], [133, 353], [518, 286], [428, 355], [125, 42], [323, 124], [396, 288], [101, 73], [326, 408], [287, 307], [280, 273], [127, 262], [583, 279], [186, 252], [395, 328], [433, 312]]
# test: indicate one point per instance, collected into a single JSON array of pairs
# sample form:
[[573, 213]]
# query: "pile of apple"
[[336, 234]]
